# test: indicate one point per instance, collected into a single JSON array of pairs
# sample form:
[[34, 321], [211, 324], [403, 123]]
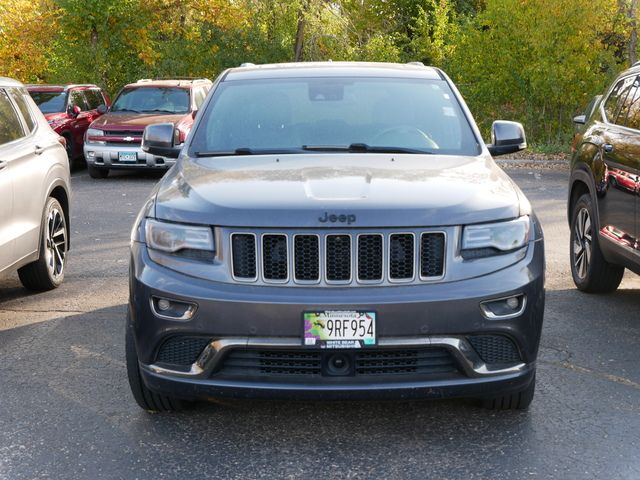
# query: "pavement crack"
[[606, 376]]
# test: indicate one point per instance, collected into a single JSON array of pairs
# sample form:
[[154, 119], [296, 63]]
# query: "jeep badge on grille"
[[333, 218]]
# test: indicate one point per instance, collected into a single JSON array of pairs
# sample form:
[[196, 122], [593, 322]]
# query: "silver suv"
[[34, 192], [335, 230]]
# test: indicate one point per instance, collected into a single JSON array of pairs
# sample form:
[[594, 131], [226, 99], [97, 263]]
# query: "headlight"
[[175, 238], [495, 238], [94, 132]]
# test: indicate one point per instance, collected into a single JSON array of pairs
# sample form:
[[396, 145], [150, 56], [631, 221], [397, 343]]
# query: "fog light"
[[504, 308], [172, 309], [513, 302], [91, 154], [164, 304]]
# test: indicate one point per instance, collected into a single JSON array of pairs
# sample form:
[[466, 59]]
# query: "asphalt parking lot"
[[66, 411]]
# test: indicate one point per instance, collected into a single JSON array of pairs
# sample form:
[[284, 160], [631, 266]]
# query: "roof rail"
[[416, 63], [636, 64], [145, 80], [247, 64]]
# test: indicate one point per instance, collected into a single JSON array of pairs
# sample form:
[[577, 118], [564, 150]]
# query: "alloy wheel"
[[582, 243], [55, 242]]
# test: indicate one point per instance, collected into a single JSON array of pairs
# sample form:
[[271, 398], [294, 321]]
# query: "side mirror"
[[75, 111], [580, 119], [507, 137], [159, 139], [102, 109], [194, 113]]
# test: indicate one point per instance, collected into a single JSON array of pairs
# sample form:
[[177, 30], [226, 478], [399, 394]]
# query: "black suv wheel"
[[591, 272]]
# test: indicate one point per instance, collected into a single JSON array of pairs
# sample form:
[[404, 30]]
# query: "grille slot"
[[271, 362], [494, 349], [370, 257], [401, 256], [275, 264], [398, 362], [308, 363], [244, 256], [307, 258], [181, 350], [338, 258], [432, 255]]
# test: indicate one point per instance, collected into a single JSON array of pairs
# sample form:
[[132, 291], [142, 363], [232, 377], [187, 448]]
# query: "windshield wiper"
[[363, 147], [161, 110], [126, 110], [247, 151]]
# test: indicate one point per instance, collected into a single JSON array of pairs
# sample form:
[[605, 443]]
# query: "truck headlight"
[[491, 239], [175, 238], [91, 134]]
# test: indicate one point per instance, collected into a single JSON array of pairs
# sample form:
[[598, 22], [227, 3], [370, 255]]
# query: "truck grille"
[[338, 258]]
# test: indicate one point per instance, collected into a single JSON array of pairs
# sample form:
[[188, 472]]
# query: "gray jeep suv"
[[335, 230]]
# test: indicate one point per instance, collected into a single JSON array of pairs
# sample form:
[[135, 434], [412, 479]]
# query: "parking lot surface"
[[66, 411]]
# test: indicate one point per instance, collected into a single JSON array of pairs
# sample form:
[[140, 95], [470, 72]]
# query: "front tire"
[[591, 272], [47, 272], [514, 401], [145, 398], [97, 172]]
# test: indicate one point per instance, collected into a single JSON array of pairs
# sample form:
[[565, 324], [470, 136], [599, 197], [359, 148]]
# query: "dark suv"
[[113, 141], [335, 230], [603, 187], [69, 109]]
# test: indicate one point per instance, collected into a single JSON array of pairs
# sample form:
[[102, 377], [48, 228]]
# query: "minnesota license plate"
[[339, 329], [127, 157]]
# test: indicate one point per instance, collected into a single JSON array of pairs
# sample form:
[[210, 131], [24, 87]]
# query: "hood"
[[333, 190], [56, 117], [134, 121]]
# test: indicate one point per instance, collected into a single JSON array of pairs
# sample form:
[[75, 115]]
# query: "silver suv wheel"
[[55, 242]]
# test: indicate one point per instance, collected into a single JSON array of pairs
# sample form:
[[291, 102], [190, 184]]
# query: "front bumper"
[[245, 318], [106, 156]]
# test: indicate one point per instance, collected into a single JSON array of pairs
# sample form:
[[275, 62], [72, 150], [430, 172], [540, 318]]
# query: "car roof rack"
[[247, 64], [636, 64], [416, 63]]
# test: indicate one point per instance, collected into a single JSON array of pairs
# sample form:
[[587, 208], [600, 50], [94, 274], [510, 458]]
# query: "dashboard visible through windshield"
[[334, 114]]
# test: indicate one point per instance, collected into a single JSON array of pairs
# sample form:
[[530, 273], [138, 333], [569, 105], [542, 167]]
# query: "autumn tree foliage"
[[536, 61]]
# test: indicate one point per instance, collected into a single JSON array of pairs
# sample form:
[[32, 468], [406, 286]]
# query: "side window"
[[630, 112], [614, 106], [94, 98], [10, 125], [76, 99], [18, 97]]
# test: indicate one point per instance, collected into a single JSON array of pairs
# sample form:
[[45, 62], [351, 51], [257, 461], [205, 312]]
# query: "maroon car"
[[70, 109], [113, 141]]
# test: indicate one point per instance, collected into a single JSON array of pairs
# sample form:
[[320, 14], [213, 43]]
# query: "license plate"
[[127, 157], [339, 329]]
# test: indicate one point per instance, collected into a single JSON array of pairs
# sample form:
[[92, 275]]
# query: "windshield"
[[152, 100], [330, 114], [49, 102]]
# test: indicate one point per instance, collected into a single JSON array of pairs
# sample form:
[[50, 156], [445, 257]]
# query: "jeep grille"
[[337, 258]]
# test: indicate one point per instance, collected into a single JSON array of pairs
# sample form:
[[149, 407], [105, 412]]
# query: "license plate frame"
[[127, 157], [339, 329]]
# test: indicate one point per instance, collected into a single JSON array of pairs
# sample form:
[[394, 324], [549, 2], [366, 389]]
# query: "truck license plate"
[[127, 157], [339, 329]]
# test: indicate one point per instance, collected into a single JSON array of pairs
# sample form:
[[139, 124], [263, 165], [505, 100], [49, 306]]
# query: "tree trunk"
[[633, 37], [300, 34]]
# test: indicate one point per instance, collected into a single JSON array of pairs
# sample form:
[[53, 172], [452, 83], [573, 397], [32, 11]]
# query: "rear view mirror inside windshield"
[[326, 91]]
